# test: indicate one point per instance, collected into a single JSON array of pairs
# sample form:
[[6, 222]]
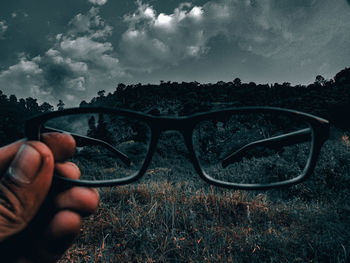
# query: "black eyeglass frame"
[[185, 125]]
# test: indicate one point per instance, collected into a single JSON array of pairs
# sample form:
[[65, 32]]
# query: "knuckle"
[[68, 169], [62, 145], [11, 209], [42, 148]]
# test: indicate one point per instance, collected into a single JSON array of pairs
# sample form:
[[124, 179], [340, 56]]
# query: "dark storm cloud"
[[55, 74]]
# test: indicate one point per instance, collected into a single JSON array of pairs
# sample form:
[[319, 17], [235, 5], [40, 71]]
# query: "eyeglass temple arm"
[[280, 140], [81, 140]]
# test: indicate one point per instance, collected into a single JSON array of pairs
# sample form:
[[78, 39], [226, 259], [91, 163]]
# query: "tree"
[[320, 81], [120, 87], [102, 131], [83, 104], [22, 104], [237, 82], [343, 77], [92, 127], [252, 84], [220, 83], [60, 105], [46, 107], [13, 98], [3, 97], [101, 93], [286, 84], [32, 105]]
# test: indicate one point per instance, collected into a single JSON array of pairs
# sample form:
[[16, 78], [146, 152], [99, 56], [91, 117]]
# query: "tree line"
[[326, 98]]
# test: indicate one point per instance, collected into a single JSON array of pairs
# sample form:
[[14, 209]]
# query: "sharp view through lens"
[[175, 59]]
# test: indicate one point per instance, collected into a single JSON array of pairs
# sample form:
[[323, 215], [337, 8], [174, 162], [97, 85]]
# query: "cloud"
[[3, 28], [83, 60], [271, 28], [98, 2], [79, 63], [90, 24], [154, 40], [256, 26], [24, 78]]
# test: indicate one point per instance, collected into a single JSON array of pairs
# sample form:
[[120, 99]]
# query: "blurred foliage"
[[14, 112]]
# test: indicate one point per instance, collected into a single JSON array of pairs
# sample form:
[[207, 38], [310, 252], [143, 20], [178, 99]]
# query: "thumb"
[[24, 187]]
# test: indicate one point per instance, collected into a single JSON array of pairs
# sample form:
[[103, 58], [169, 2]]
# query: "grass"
[[171, 216]]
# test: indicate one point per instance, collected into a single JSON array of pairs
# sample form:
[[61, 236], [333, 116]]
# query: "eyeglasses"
[[241, 148]]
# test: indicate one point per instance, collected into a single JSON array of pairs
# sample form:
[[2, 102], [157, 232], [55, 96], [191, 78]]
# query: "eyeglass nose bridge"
[[185, 127], [182, 125], [161, 124]]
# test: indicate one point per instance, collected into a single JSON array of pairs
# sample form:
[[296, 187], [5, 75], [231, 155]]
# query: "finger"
[[68, 170], [80, 199], [62, 145], [60, 234], [24, 186], [7, 153], [64, 226], [33, 245]]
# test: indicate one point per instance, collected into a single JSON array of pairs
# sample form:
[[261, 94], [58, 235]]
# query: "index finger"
[[62, 145]]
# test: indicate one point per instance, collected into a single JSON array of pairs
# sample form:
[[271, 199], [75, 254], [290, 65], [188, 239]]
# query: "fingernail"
[[25, 166]]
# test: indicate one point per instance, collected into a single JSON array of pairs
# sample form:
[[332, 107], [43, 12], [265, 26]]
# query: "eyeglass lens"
[[244, 148], [252, 148]]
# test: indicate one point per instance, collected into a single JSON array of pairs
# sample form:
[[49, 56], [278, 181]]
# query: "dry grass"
[[169, 217]]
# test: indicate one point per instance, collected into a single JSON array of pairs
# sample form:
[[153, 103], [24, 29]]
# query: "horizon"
[[69, 51], [107, 92]]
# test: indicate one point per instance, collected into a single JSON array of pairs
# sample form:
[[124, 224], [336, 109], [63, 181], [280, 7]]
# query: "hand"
[[36, 224]]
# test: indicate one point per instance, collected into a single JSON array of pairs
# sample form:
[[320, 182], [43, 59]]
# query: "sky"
[[69, 50]]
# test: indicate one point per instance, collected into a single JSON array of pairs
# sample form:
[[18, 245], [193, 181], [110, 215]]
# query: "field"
[[170, 215]]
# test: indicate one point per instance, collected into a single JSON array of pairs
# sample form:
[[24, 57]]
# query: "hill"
[[329, 99]]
